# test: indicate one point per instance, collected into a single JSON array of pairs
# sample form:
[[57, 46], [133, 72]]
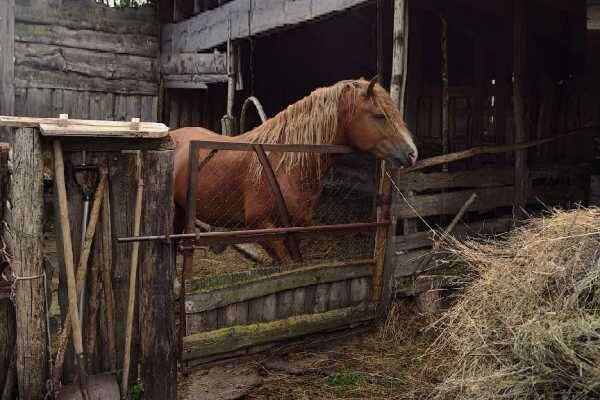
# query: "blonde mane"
[[315, 120]]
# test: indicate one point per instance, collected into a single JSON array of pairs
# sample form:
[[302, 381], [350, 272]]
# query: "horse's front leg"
[[277, 249]]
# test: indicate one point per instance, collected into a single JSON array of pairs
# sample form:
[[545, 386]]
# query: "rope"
[[397, 189]]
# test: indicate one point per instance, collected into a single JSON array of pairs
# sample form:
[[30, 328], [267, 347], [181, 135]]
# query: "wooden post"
[[157, 317], [25, 219], [397, 91], [7, 49], [521, 170], [7, 107], [445, 93], [228, 121]]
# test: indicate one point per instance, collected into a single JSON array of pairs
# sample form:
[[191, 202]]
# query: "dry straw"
[[528, 323]]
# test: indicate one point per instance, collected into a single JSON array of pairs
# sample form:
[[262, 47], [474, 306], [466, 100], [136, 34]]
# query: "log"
[[85, 63], [205, 300], [158, 344], [26, 222], [478, 178], [235, 338], [98, 41]]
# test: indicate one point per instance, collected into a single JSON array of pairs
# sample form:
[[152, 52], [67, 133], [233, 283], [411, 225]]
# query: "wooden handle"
[[59, 178], [132, 281]]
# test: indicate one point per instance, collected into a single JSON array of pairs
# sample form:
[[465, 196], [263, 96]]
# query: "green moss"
[[347, 381], [137, 391]]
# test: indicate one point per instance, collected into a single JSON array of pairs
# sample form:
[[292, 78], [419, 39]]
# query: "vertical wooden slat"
[[398, 91], [157, 338], [298, 301], [26, 220], [256, 309], [359, 290], [338, 295], [7, 50], [270, 307], [321, 298], [521, 170], [285, 300], [235, 314]]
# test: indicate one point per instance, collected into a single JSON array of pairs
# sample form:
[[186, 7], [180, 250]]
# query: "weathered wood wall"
[[85, 59]]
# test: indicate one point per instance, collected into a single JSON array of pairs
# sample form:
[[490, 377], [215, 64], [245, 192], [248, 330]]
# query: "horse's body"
[[231, 189]]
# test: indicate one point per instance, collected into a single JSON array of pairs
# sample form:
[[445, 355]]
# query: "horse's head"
[[376, 126]]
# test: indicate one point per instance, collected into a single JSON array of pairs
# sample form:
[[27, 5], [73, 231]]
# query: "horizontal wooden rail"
[[272, 147], [205, 300], [253, 235], [234, 338]]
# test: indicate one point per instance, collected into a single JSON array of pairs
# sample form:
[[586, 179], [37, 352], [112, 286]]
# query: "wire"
[[397, 189]]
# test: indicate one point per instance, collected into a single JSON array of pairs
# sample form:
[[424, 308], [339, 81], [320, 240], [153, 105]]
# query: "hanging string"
[[251, 60]]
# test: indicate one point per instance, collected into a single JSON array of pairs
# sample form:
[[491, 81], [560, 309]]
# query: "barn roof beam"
[[242, 18]]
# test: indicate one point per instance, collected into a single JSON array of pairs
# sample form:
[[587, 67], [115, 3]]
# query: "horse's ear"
[[371, 86]]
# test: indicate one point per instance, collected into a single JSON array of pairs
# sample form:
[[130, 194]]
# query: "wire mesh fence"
[[233, 194]]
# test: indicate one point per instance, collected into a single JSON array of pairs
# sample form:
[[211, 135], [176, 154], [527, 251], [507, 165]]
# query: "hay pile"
[[528, 323]]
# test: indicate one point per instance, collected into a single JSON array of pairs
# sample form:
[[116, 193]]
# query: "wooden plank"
[[82, 127], [270, 307], [25, 220], [423, 239], [214, 63], [451, 202], [239, 337], [256, 310], [102, 106], [338, 295], [85, 63], [192, 81], [7, 25], [157, 335], [235, 314], [204, 300], [285, 301], [84, 14], [28, 77], [96, 40], [241, 18], [321, 298], [298, 301], [483, 177], [359, 290]]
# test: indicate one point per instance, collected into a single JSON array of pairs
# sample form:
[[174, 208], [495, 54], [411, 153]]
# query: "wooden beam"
[[83, 127], [85, 63], [521, 136], [193, 81], [239, 337], [398, 93], [245, 18], [80, 14], [7, 26], [210, 299], [194, 64], [90, 39], [28, 77], [158, 355], [25, 220]]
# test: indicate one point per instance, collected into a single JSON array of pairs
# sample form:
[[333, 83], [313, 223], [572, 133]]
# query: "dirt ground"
[[384, 363]]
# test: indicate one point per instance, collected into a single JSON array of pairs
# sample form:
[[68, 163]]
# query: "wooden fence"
[[438, 196]]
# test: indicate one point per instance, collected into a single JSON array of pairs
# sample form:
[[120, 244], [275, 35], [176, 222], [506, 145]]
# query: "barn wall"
[[86, 60]]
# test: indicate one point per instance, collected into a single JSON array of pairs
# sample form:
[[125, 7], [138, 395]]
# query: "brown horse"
[[231, 189]]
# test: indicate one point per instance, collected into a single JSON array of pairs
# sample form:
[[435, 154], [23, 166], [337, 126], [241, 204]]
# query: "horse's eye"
[[379, 116]]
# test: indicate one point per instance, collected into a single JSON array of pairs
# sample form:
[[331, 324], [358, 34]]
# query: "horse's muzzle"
[[402, 158]]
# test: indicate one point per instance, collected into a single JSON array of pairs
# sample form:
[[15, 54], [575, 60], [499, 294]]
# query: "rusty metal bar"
[[273, 147], [257, 234], [190, 227], [282, 210]]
